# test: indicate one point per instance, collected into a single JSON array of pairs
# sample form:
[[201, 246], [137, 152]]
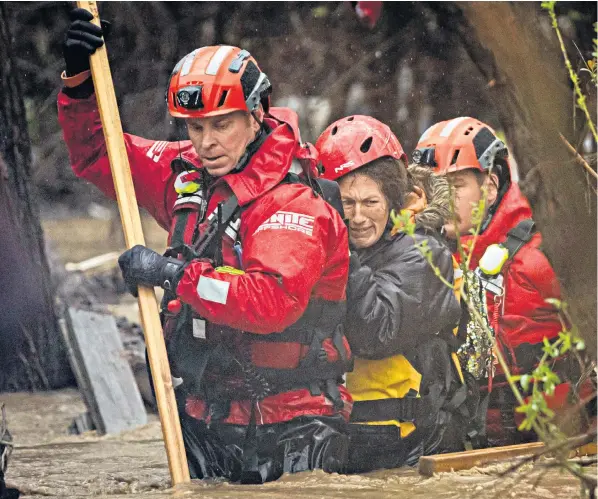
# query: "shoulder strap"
[[225, 213], [331, 193], [519, 235], [328, 189]]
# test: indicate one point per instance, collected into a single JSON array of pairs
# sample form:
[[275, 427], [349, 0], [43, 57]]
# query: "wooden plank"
[[103, 373], [585, 450], [428, 465], [93, 263]]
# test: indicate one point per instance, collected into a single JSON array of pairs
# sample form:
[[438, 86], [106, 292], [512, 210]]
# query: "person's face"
[[220, 141], [468, 193], [366, 208]]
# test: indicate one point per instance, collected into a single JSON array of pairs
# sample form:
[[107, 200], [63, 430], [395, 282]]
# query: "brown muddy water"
[[47, 462]]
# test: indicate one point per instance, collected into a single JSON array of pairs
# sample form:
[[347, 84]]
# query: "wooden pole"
[[129, 213]]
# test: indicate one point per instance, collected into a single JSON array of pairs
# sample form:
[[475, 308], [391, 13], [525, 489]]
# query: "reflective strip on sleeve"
[[212, 289]]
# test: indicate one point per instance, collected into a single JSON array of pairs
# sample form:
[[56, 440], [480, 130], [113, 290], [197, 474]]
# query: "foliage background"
[[410, 71]]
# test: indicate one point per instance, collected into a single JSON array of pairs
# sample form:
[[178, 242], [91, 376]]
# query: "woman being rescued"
[[400, 315]]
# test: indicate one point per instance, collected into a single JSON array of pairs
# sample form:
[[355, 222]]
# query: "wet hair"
[[390, 175], [436, 188]]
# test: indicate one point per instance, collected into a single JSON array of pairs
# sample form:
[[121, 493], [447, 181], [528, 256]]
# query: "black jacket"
[[395, 301]]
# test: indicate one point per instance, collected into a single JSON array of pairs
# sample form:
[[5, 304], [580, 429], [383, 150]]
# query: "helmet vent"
[[455, 156], [482, 141], [222, 98], [367, 143], [469, 130], [350, 118], [334, 130], [249, 78]]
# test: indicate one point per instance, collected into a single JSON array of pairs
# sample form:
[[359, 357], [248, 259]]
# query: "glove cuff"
[[83, 91], [75, 80], [171, 274]]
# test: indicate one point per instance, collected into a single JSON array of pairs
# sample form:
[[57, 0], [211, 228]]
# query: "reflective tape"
[[187, 64], [447, 130], [212, 290], [199, 329], [195, 199], [217, 58]]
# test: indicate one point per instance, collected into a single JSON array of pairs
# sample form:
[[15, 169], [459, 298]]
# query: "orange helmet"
[[217, 80], [459, 144], [350, 143]]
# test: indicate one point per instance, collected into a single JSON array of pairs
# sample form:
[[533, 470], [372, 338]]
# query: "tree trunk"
[[31, 345], [527, 79]]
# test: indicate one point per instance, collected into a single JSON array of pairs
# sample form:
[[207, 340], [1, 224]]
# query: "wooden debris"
[[103, 373], [428, 465], [93, 263], [82, 424]]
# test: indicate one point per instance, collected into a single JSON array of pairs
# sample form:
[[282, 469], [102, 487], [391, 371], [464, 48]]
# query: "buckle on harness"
[[491, 284]]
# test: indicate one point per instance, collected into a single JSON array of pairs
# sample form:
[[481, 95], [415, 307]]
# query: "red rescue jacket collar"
[[271, 162], [513, 209]]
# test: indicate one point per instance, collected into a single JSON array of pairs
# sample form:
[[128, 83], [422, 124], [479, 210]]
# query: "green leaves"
[[549, 348], [402, 222], [558, 304], [477, 214], [535, 410]]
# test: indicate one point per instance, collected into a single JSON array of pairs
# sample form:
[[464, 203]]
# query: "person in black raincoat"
[[400, 313]]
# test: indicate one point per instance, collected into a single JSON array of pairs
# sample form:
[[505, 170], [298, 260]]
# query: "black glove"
[[143, 266], [82, 40]]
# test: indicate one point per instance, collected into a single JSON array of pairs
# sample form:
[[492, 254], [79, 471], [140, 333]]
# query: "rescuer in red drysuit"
[[256, 269], [472, 156]]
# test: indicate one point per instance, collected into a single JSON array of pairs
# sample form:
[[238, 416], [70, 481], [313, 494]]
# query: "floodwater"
[[46, 462]]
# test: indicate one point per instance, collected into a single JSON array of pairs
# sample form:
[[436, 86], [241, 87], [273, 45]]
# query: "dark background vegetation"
[[410, 71]]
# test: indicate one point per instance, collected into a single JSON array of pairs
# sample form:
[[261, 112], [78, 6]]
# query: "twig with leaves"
[[581, 98], [542, 380]]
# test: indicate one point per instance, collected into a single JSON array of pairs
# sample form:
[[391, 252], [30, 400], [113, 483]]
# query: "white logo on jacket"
[[289, 220], [156, 150]]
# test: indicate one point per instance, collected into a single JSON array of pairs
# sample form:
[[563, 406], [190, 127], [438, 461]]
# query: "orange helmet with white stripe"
[[216, 80], [459, 144]]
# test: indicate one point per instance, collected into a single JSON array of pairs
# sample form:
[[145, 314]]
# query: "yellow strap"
[[458, 367], [457, 289], [229, 270]]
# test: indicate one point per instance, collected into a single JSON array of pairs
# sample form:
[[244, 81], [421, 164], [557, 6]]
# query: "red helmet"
[[459, 144], [352, 142], [216, 80]]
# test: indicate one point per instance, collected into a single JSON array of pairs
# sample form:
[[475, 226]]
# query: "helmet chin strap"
[[492, 209]]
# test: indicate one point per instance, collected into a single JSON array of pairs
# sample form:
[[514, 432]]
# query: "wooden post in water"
[[131, 222]]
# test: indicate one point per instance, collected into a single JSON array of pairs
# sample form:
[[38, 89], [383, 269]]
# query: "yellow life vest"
[[388, 378]]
